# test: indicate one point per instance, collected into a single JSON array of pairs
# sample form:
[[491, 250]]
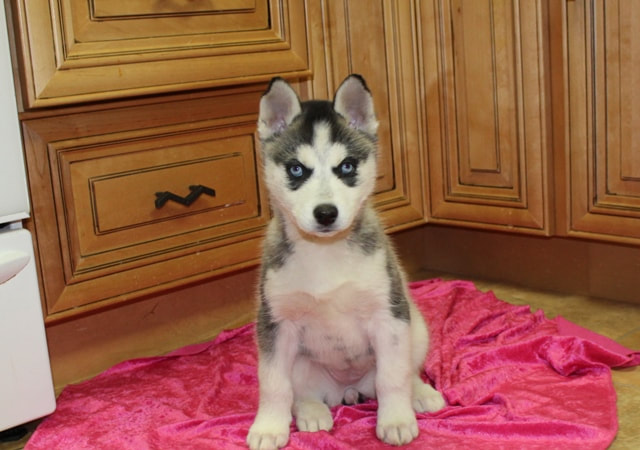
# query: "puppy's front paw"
[[268, 434], [426, 398], [313, 416], [397, 427]]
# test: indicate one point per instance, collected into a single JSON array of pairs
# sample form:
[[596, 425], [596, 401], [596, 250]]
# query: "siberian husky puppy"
[[335, 322]]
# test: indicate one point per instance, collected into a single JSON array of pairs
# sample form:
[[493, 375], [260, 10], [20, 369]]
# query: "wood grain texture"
[[602, 57], [94, 170], [380, 44], [485, 83], [76, 50], [152, 326], [467, 92], [93, 178]]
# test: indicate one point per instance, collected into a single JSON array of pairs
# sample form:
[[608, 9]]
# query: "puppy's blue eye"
[[296, 171], [347, 171], [347, 168]]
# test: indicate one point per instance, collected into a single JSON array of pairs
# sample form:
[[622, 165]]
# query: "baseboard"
[[84, 347], [571, 266]]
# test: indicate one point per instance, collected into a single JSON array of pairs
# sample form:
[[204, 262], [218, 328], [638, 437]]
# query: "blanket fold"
[[511, 378]]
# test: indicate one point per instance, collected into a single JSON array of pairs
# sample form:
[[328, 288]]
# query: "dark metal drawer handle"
[[196, 191]]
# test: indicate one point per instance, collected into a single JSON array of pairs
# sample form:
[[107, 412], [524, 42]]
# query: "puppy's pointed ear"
[[278, 106], [354, 102]]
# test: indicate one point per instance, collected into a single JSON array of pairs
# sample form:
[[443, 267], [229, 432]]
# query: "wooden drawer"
[[82, 50], [94, 178], [109, 193]]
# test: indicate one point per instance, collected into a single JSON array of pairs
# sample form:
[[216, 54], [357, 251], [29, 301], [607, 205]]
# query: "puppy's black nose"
[[325, 214]]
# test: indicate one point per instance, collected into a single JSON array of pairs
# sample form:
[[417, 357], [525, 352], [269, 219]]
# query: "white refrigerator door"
[[14, 199], [26, 387]]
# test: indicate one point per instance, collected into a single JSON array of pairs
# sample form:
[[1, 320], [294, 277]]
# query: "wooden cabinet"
[[86, 50], [511, 115], [94, 175], [377, 40], [467, 94], [602, 81], [486, 113], [95, 168]]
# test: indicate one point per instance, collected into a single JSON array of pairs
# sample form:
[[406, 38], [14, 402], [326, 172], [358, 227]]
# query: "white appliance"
[[26, 387]]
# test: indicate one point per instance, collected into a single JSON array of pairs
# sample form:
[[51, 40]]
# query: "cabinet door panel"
[[485, 108], [86, 50], [377, 41], [485, 95], [603, 67]]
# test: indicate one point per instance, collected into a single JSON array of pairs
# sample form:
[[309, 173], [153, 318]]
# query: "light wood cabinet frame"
[[86, 50], [377, 41], [602, 157], [486, 113], [99, 245]]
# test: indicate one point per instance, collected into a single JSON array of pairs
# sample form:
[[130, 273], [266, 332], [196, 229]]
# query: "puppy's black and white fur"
[[335, 320]]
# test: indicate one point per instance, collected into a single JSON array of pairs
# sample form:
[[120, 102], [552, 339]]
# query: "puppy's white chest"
[[332, 274]]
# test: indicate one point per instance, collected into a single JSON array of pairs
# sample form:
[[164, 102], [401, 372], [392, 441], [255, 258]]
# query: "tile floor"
[[619, 321]]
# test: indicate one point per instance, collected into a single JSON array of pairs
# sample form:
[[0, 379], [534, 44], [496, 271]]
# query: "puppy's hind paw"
[[266, 436], [313, 416], [426, 398]]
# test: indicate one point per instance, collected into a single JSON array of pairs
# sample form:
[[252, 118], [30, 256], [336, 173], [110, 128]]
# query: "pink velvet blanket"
[[512, 379]]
